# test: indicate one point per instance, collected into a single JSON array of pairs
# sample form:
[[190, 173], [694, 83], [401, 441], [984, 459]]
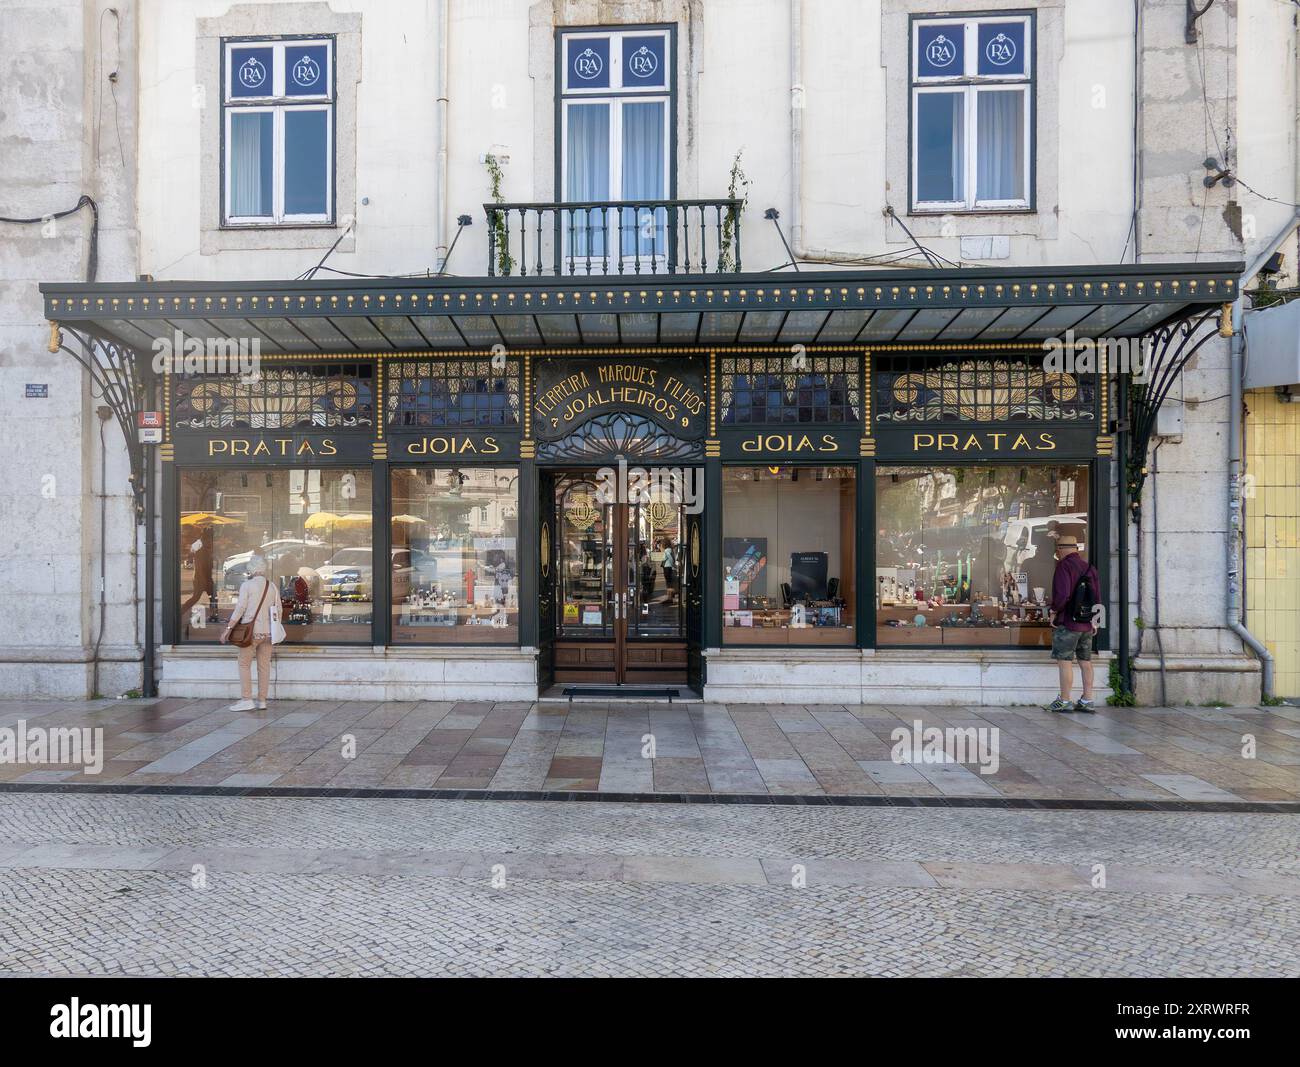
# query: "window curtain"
[[587, 176], [643, 232], [1001, 164], [250, 164]]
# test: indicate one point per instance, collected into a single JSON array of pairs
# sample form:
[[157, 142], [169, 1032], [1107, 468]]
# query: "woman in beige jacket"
[[267, 633]]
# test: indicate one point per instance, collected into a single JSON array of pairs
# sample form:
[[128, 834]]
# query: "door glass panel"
[[656, 575], [585, 559]]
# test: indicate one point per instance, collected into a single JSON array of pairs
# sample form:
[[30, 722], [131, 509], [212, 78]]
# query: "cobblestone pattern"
[[1118, 753], [105, 885]]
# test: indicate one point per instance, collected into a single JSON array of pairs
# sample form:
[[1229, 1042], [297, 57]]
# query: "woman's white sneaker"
[[261, 705], [243, 705]]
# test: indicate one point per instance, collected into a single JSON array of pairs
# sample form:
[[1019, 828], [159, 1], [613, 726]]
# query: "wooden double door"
[[621, 582]]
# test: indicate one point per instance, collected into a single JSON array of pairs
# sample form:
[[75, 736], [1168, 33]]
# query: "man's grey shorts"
[[1071, 644]]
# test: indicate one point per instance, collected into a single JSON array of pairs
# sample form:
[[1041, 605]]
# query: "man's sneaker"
[[1085, 706], [1060, 705]]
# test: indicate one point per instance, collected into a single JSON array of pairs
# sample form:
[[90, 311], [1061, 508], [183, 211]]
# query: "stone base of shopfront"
[[318, 673], [1199, 680], [866, 676], [736, 676], [68, 673]]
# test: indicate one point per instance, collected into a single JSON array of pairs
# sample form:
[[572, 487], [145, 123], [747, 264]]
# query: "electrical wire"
[[92, 255], [1262, 196]]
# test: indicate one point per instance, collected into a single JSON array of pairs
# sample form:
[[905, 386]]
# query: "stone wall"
[[67, 128]]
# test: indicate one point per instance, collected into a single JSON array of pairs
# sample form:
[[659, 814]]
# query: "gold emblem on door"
[[581, 513]]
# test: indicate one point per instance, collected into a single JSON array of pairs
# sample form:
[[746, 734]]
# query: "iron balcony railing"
[[614, 237]]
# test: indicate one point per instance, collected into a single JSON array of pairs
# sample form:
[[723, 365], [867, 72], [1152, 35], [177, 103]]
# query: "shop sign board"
[[963, 442], [457, 445], [571, 391], [783, 442], [254, 447]]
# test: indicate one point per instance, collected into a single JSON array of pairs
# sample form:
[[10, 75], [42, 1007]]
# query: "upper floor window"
[[616, 128], [972, 113], [278, 131]]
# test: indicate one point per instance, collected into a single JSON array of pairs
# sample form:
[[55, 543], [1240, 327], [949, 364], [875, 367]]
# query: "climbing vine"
[[737, 189], [500, 233]]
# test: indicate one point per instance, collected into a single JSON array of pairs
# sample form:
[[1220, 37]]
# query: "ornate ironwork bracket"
[[1168, 351], [120, 378]]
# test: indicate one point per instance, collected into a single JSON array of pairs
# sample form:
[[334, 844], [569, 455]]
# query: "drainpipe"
[[1235, 623], [440, 210], [800, 250]]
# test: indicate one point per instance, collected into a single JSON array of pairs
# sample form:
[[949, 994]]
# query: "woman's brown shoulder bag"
[[241, 634]]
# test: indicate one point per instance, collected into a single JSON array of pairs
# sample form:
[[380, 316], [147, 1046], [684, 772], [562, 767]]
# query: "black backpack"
[[1083, 600]]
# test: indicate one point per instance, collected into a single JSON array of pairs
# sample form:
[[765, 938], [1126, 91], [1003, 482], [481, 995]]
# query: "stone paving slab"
[[1118, 754], [174, 885]]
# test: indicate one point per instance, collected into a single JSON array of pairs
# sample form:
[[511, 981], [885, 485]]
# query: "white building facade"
[[809, 256]]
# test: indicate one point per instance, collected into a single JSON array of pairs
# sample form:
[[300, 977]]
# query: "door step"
[[621, 692]]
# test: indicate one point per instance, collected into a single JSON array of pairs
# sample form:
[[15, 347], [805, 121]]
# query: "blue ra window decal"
[[252, 72], [588, 62], [306, 70], [940, 51], [1001, 48], [643, 62]]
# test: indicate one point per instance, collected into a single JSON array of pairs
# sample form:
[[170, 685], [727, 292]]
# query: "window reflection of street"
[[964, 555], [313, 527], [455, 563]]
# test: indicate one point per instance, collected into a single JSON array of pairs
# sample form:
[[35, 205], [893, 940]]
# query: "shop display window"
[[455, 538], [312, 526], [788, 537], [964, 554]]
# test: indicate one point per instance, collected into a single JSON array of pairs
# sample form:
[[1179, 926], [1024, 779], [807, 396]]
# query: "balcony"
[[614, 237]]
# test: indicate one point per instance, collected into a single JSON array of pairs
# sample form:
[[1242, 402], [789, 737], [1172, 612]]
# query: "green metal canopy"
[[985, 304]]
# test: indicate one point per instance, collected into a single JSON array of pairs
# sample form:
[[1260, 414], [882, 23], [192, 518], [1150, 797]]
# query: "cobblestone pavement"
[[1135, 754], [171, 885]]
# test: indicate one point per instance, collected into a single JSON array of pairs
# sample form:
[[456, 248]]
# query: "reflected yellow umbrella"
[[353, 519], [409, 520], [322, 520], [208, 518]]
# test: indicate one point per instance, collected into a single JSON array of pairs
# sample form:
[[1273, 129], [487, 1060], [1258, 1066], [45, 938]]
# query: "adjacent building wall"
[[67, 128], [1272, 510]]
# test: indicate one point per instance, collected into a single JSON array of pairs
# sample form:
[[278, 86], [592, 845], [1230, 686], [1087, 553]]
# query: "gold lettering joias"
[[454, 446], [790, 442]]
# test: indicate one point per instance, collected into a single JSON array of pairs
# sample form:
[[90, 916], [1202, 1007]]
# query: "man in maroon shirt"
[[1071, 640]]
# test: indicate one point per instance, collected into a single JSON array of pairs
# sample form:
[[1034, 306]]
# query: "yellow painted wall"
[[1272, 518]]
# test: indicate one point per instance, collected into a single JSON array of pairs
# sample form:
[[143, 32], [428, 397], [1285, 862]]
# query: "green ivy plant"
[[505, 262], [737, 189], [1121, 696]]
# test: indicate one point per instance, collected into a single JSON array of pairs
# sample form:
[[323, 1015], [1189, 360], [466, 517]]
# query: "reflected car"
[[234, 569], [349, 574]]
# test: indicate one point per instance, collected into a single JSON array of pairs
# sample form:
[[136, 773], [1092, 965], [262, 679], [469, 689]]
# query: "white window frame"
[[969, 83], [616, 96], [277, 103]]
